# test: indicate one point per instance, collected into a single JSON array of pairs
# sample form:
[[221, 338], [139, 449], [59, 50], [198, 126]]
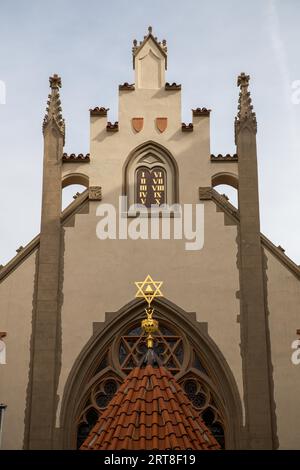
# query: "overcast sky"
[[89, 44]]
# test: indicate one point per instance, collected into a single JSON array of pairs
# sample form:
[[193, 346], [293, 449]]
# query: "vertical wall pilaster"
[[254, 322], [46, 327]]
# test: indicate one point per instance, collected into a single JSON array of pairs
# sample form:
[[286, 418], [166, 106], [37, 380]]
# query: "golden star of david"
[[149, 289]]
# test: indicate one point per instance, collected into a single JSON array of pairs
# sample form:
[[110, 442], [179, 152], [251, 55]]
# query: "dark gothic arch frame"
[[151, 145], [113, 325]]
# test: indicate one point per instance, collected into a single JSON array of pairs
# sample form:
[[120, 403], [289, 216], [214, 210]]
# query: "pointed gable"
[[149, 62]]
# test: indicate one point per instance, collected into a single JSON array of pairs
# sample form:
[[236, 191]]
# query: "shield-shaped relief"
[[137, 123], [161, 123]]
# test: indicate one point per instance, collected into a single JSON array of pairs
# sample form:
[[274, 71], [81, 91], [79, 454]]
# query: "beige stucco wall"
[[284, 320], [99, 275], [204, 282], [109, 150], [16, 294], [149, 65]]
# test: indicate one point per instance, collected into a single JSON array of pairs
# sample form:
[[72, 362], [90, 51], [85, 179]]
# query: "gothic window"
[[168, 346], [150, 177], [97, 399], [176, 354], [203, 400]]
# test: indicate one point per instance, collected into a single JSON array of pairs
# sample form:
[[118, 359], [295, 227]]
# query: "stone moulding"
[[201, 112], [172, 86], [224, 158], [187, 127], [99, 111], [112, 127], [34, 243], [223, 202], [127, 87], [95, 193], [205, 193], [73, 158], [208, 193]]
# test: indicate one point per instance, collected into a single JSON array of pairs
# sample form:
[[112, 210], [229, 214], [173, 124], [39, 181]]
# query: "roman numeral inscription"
[[150, 186]]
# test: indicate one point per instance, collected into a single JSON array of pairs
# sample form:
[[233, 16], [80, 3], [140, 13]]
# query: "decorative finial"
[[150, 29], [245, 108], [148, 290], [55, 81], [243, 80], [149, 325], [53, 110]]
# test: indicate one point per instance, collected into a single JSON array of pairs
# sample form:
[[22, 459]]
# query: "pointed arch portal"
[[185, 349]]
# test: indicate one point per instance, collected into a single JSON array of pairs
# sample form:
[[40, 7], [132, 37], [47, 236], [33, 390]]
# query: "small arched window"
[[2, 349], [150, 176]]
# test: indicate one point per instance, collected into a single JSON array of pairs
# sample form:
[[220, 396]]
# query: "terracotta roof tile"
[[150, 411]]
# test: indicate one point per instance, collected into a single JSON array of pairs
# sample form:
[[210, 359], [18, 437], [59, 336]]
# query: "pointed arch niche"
[[148, 165], [183, 346]]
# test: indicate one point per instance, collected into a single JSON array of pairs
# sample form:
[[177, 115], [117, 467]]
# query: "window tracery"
[[176, 354]]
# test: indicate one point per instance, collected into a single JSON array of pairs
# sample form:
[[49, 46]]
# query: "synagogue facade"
[[75, 354]]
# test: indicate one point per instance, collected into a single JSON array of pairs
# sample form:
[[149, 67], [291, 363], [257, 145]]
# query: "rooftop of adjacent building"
[[150, 411]]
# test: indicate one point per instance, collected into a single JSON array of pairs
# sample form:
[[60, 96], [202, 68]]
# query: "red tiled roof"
[[150, 411]]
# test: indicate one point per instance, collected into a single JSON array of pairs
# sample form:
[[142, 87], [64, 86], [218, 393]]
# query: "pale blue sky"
[[89, 45]]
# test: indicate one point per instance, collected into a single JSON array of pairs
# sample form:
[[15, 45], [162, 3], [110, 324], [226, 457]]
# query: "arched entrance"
[[183, 346]]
